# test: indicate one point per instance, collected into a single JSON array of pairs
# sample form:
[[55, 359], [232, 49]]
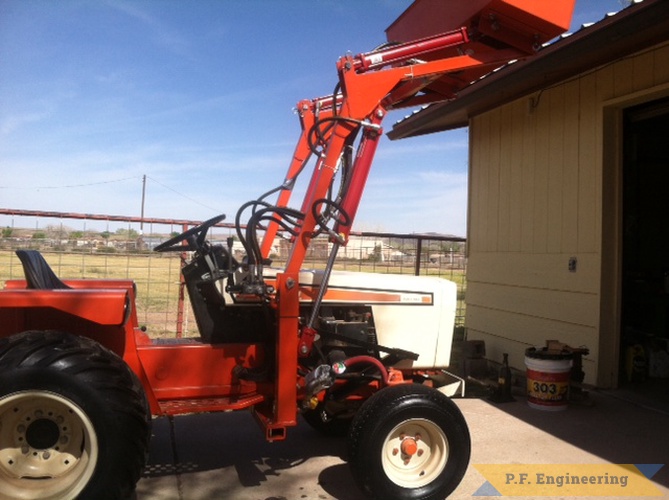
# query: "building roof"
[[642, 24]]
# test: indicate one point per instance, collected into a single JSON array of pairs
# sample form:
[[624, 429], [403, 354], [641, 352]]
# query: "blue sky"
[[198, 96]]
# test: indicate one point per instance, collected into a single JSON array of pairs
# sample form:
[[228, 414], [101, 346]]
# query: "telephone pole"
[[141, 216]]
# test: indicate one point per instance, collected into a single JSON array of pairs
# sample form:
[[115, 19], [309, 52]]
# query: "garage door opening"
[[644, 356]]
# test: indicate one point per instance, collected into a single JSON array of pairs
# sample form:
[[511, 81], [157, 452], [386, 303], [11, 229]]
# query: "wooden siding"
[[536, 200]]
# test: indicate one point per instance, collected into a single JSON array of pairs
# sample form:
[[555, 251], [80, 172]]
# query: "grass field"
[[158, 281]]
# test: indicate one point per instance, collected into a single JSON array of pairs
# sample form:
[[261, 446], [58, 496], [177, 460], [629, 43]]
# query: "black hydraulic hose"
[[335, 92], [238, 227], [344, 219], [286, 218], [319, 134]]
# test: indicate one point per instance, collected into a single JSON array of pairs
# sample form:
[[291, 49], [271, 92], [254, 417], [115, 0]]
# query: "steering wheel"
[[195, 237]]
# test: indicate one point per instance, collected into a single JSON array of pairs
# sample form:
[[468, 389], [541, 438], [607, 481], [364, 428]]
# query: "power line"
[[68, 186], [183, 195], [71, 186]]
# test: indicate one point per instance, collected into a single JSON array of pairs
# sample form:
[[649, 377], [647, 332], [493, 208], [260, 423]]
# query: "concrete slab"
[[607, 431], [224, 456], [221, 456]]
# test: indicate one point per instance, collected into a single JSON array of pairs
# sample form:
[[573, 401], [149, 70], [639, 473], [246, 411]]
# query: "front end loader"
[[80, 380]]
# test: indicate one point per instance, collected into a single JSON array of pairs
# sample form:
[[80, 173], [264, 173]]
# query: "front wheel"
[[409, 442], [74, 422]]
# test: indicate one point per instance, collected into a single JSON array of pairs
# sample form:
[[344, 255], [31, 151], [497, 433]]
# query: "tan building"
[[568, 225]]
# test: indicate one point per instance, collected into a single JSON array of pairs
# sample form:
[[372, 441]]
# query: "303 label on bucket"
[[547, 391], [547, 379]]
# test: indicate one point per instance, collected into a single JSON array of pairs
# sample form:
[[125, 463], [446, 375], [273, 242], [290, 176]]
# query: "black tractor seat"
[[38, 273]]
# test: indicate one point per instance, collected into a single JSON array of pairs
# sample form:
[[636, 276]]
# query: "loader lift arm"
[[370, 84]]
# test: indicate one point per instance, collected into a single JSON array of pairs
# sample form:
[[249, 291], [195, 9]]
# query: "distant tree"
[[130, 234], [450, 246], [7, 232], [39, 235], [57, 231], [376, 255]]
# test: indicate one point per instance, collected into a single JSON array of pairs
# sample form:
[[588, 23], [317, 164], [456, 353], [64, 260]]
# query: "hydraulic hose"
[[356, 360]]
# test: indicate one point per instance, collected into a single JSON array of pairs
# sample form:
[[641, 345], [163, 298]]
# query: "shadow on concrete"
[[604, 424], [225, 455]]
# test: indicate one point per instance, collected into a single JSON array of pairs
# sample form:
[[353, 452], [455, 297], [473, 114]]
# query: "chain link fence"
[[111, 247]]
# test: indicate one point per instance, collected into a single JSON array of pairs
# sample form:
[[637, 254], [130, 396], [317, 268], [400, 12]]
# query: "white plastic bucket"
[[547, 379]]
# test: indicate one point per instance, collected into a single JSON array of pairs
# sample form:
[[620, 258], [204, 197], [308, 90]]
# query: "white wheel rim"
[[414, 453], [48, 447]]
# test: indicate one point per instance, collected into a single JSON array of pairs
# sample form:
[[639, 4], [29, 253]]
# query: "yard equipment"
[[80, 380]]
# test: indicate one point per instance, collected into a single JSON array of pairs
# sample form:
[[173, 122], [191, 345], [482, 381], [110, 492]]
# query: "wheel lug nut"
[[46, 455], [419, 452], [395, 451], [21, 429]]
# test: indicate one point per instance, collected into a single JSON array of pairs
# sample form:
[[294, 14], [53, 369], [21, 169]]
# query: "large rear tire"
[[74, 420], [409, 442]]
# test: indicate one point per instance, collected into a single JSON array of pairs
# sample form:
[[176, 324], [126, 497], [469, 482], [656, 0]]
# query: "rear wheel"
[[409, 442], [74, 422]]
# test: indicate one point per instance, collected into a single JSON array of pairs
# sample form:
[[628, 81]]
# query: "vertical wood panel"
[[623, 77], [493, 180], [504, 209], [570, 209], [528, 182], [555, 101], [642, 72], [589, 202], [604, 88], [518, 112], [480, 183], [541, 162]]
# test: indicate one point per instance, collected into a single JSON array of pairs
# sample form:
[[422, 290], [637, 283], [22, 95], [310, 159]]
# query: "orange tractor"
[[80, 380]]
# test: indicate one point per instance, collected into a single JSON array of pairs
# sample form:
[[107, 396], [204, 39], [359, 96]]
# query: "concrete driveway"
[[224, 456]]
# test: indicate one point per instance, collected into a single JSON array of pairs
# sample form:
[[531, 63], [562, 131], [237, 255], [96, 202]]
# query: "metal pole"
[[141, 223], [324, 284], [419, 250]]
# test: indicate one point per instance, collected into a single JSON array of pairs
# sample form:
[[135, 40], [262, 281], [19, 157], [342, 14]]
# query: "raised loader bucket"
[[514, 27], [519, 23]]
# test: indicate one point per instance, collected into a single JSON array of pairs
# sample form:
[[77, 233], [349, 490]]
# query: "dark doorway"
[[644, 359]]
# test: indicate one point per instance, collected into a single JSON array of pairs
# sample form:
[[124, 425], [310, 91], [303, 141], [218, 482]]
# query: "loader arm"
[[419, 72], [341, 132]]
